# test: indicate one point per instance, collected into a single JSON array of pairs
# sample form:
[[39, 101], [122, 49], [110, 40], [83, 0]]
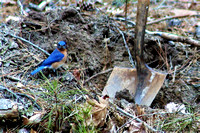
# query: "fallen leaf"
[[99, 111], [135, 126], [33, 119], [77, 74], [140, 110]]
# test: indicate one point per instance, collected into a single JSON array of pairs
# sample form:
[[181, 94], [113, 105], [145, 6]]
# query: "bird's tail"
[[38, 69]]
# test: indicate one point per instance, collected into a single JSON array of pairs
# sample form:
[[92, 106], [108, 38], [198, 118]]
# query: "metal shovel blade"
[[126, 78], [121, 78], [148, 86], [143, 82]]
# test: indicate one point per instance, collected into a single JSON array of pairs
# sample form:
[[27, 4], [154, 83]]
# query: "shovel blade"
[[148, 87], [121, 78], [126, 78]]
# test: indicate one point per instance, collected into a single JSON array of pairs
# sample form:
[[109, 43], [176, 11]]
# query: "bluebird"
[[56, 59]]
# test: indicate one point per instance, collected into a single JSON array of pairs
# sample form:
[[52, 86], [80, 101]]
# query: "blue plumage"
[[55, 56]]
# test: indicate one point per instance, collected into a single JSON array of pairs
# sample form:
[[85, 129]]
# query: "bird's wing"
[[55, 56]]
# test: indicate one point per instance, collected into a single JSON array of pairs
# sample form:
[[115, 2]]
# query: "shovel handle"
[[142, 11]]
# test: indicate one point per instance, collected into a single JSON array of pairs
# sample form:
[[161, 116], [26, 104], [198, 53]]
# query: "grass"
[[181, 124], [178, 122], [63, 110], [84, 119]]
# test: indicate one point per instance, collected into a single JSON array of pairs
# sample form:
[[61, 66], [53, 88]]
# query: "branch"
[[26, 41], [129, 53], [21, 8], [103, 72], [133, 24], [12, 78], [137, 119], [162, 3], [175, 38], [169, 36], [171, 17]]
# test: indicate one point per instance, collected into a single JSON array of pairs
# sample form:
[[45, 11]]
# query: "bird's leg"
[[55, 72]]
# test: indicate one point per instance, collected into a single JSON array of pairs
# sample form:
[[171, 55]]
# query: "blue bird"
[[56, 59]]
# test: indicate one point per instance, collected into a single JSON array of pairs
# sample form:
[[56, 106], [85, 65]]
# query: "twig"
[[124, 20], [12, 78], [21, 8], [39, 7], [160, 4], [103, 72], [137, 119], [34, 103], [168, 36], [188, 88], [175, 2], [126, 12], [26, 41], [4, 88], [156, 113], [125, 124], [176, 38], [156, 21], [18, 95], [171, 17], [174, 75], [129, 53]]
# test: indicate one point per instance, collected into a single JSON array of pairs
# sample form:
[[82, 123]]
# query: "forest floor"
[[63, 101]]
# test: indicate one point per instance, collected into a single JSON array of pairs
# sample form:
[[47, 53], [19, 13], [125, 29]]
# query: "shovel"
[[143, 82]]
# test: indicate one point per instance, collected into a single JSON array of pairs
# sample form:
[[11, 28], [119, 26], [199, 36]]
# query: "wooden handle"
[[142, 11]]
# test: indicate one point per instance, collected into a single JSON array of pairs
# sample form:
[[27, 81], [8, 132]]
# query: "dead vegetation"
[[72, 101]]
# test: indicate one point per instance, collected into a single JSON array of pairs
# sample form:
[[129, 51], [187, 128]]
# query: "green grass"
[[185, 123], [62, 108]]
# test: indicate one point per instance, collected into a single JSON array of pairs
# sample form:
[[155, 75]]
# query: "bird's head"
[[62, 45]]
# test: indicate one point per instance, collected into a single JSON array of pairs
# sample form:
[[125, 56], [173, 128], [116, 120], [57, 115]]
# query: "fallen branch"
[[168, 36], [156, 21], [25, 41], [12, 78], [160, 5], [3, 75], [2, 88], [137, 119], [175, 38], [129, 53], [21, 8], [34, 103], [103, 72], [171, 17], [18, 96], [133, 24]]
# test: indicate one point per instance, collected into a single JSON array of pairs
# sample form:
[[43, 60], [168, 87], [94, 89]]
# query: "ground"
[[95, 47]]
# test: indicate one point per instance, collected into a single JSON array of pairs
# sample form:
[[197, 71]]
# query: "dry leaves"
[[99, 111], [33, 119], [133, 125]]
